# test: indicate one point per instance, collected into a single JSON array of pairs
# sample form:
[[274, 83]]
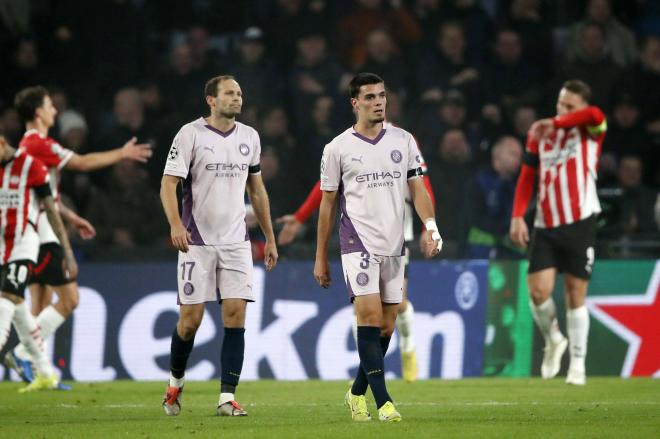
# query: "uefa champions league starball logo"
[[244, 149], [188, 289], [174, 152], [466, 290], [396, 156], [362, 279]]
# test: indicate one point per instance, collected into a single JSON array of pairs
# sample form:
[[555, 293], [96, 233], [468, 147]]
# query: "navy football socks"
[[231, 359], [179, 352]]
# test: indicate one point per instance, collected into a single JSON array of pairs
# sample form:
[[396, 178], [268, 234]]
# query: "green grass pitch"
[[483, 408]]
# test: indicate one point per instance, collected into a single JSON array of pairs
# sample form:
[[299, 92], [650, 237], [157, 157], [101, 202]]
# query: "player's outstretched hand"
[[322, 272], [289, 230], [181, 238], [69, 265], [518, 232], [270, 255], [140, 152], [84, 228], [542, 128], [430, 244]]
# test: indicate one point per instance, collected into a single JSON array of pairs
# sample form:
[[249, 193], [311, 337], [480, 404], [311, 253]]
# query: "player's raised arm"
[[180, 236], [259, 199], [327, 213], [131, 150]]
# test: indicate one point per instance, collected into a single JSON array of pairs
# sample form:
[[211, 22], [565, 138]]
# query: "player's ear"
[[354, 102], [210, 101]]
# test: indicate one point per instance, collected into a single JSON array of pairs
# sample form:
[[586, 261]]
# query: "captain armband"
[[531, 160], [255, 169]]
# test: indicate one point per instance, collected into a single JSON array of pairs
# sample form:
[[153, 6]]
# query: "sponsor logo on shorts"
[[188, 289], [362, 279], [466, 290], [396, 156], [244, 149]]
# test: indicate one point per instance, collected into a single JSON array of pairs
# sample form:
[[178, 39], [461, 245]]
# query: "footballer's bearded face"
[[371, 102], [229, 100], [568, 102]]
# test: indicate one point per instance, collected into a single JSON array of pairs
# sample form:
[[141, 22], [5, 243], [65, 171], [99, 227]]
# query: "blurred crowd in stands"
[[467, 77]]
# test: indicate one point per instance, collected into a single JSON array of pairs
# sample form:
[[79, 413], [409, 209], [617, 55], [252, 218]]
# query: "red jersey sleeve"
[[591, 117], [526, 179], [310, 205], [37, 174], [47, 150]]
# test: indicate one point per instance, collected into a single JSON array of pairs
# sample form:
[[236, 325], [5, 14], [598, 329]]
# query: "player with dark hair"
[[215, 159], [561, 160], [292, 223], [366, 170], [36, 108], [23, 186]]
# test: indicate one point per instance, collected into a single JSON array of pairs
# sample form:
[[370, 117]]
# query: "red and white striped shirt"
[[19, 205], [49, 152], [567, 170]]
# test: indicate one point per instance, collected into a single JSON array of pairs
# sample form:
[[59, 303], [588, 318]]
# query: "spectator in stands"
[[124, 215], [11, 125], [26, 69], [256, 70], [593, 64], [428, 13], [508, 78], [314, 74], [448, 66], [522, 118], [526, 18], [450, 113], [637, 200], [625, 136], [449, 172], [384, 60], [74, 133], [352, 30], [472, 16], [129, 120], [619, 40], [492, 200], [643, 81], [179, 82]]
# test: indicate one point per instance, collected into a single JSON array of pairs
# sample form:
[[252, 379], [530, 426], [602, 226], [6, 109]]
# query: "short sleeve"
[[255, 161], [415, 160], [49, 152], [330, 168], [180, 154], [37, 174]]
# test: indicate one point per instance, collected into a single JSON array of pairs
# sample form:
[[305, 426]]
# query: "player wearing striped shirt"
[[561, 161], [23, 185], [36, 108]]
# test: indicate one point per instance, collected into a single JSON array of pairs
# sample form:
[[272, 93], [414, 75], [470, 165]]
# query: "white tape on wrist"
[[435, 234]]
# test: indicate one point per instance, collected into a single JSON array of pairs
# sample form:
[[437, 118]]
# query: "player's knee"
[[387, 330], [539, 294], [70, 303], [187, 329]]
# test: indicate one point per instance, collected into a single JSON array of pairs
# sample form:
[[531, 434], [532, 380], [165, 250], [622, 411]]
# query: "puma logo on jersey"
[[354, 159]]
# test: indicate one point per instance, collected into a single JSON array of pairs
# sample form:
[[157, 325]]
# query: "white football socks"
[[48, 320], [225, 397], [545, 316], [7, 309], [176, 382], [29, 334], [404, 323], [577, 325]]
